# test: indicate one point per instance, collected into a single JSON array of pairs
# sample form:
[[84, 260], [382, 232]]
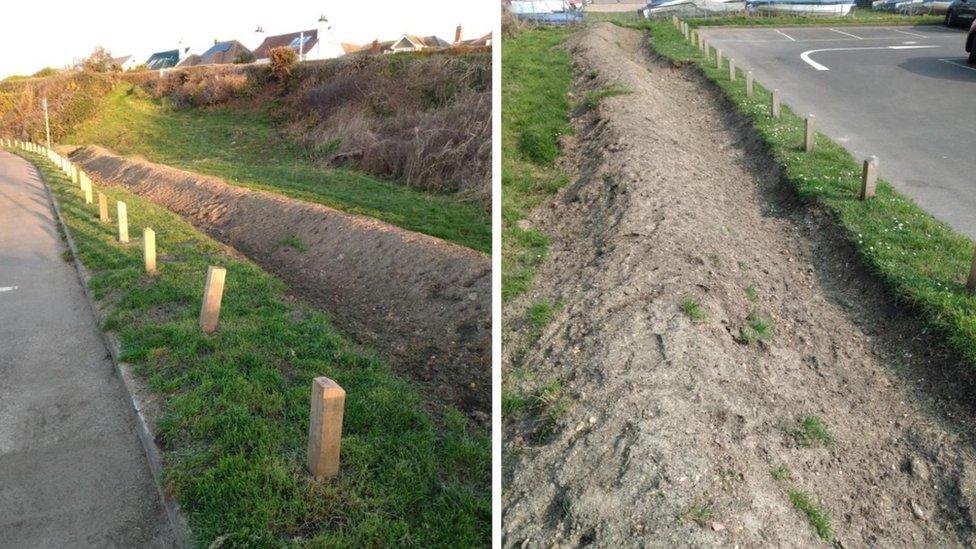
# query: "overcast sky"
[[53, 33]]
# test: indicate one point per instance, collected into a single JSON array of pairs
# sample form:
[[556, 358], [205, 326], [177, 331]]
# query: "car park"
[[961, 13]]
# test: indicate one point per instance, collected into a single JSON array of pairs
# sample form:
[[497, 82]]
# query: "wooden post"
[[213, 292], [775, 103], [749, 84], [718, 58], [869, 178], [88, 192], [325, 427], [123, 220], [103, 208], [971, 281], [149, 249], [810, 134], [731, 70]]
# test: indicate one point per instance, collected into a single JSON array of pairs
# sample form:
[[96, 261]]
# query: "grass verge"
[[243, 147], [234, 423], [921, 260], [536, 77]]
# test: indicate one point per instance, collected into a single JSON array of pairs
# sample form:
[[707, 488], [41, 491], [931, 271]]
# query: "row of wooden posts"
[[869, 170], [328, 398]]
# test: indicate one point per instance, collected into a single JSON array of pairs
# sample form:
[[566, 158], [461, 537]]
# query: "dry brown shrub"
[[283, 60], [73, 97]]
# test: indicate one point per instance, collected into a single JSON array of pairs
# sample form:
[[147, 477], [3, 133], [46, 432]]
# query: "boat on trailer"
[[801, 7], [657, 7]]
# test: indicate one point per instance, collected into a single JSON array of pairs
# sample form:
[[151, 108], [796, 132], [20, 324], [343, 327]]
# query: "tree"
[[244, 57], [99, 61]]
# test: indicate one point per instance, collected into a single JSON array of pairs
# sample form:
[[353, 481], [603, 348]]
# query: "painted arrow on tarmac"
[[805, 56]]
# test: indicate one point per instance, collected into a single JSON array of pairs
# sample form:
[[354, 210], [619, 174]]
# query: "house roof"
[[427, 41], [163, 59], [120, 60], [482, 41], [291, 39], [222, 53], [349, 48]]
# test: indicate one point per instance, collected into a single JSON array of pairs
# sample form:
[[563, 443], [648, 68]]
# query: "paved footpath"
[[72, 470]]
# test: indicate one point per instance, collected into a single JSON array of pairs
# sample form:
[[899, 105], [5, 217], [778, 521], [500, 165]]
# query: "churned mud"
[[426, 301], [640, 426]]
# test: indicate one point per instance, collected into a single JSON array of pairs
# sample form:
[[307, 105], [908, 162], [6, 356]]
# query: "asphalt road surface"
[[904, 94], [72, 470]]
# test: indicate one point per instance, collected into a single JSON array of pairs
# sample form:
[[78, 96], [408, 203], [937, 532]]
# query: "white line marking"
[[847, 34], [910, 33], [958, 64], [8, 288], [910, 42], [805, 56], [786, 35]]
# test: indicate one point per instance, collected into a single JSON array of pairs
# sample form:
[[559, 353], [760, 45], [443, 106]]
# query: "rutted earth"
[[666, 431], [426, 301]]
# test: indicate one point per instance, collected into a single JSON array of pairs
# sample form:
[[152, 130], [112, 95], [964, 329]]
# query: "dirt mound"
[[798, 381], [427, 301]]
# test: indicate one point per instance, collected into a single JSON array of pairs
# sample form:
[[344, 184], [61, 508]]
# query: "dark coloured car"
[[961, 13], [971, 43]]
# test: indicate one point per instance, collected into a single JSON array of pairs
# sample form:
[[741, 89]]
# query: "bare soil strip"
[[424, 300], [677, 432]]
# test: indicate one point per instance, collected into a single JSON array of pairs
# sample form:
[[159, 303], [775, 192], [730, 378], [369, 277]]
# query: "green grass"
[[692, 308], [536, 78], [780, 473], [235, 404], [812, 430], [293, 242], [699, 514], [752, 294], [244, 147], [539, 316], [818, 517], [921, 260], [594, 97]]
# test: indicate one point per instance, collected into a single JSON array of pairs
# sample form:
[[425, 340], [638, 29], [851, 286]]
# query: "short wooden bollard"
[[88, 192], [810, 133], [718, 58], [731, 70], [325, 427], [869, 178], [775, 108], [103, 208], [971, 281], [213, 293], [123, 221], [749, 84], [149, 249]]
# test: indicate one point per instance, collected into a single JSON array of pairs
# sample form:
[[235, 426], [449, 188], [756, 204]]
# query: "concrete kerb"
[[177, 520]]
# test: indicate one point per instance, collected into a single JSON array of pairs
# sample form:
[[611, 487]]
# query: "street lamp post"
[[47, 124]]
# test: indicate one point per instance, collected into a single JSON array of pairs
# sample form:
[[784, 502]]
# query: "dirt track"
[[424, 300], [672, 427]]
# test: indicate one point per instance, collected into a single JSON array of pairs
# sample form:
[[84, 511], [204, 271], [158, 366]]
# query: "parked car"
[[961, 13], [971, 43]]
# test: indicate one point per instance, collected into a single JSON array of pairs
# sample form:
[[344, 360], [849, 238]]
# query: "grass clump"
[[699, 514], [593, 97], [234, 422], [293, 242], [692, 308], [922, 261], [780, 473], [539, 316], [818, 517], [537, 73], [752, 294], [757, 328], [243, 146], [812, 430]]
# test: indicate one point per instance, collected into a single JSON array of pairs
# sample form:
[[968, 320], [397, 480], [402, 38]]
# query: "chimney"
[[457, 34], [375, 48]]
